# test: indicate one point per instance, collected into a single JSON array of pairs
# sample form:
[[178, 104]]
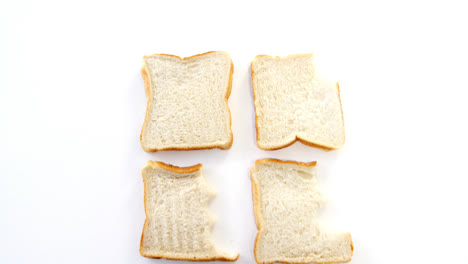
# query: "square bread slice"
[[293, 103], [178, 223], [187, 102], [286, 199]]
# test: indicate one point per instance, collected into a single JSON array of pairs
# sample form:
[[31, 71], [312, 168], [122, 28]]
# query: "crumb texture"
[[286, 203], [187, 105], [178, 222], [292, 101]]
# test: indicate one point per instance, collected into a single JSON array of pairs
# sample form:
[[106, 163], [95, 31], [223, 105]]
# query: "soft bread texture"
[[286, 199], [178, 223], [187, 102], [293, 103]]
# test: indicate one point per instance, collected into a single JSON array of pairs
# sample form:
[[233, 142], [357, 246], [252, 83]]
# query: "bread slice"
[[187, 102], [286, 199], [178, 223], [293, 103]]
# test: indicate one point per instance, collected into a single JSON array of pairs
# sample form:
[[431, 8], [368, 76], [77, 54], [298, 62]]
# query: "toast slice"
[[286, 199], [293, 103], [187, 102], [178, 223]]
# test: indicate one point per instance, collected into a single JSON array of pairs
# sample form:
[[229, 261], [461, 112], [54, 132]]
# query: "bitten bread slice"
[[293, 103], [286, 199], [178, 222], [187, 102]]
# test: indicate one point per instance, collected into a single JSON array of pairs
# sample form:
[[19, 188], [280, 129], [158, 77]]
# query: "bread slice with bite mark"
[[293, 103], [178, 223], [286, 198]]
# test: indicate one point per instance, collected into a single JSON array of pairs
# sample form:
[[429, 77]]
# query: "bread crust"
[[304, 164], [191, 259], [147, 80], [297, 138], [174, 169], [256, 207]]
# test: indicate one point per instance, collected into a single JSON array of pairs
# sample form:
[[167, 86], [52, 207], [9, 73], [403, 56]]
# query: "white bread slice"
[[178, 223], [187, 102], [286, 199], [293, 103]]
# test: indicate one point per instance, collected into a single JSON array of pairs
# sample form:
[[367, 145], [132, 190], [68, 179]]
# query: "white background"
[[72, 105]]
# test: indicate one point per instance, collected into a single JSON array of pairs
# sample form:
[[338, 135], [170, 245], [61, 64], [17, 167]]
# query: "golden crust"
[[184, 58], [341, 107], [190, 259], [226, 97], [255, 98], [304, 164], [314, 145], [175, 169], [147, 81], [146, 215], [256, 205], [297, 138], [255, 198]]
